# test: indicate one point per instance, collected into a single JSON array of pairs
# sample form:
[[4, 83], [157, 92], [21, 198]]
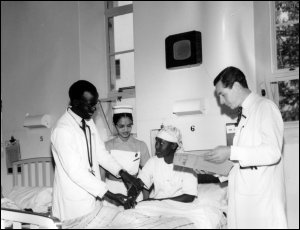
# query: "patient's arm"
[[146, 194], [186, 198]]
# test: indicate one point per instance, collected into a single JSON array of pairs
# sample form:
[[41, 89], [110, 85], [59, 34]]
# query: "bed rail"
[[18, 219], [36, 170]]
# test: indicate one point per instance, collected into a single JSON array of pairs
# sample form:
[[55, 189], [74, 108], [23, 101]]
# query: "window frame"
[[110, 13], [278, 75], [275, 71]]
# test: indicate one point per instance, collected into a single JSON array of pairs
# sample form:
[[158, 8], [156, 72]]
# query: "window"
[[286, 94], [120, 58], [285, 35], [120, 47], [285, 58]]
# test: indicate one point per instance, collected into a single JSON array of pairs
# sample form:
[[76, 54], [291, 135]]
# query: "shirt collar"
[[75, 116], [78, 120], [248, 102]]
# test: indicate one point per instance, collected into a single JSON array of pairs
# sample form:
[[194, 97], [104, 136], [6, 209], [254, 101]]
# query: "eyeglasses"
[[91, 105]]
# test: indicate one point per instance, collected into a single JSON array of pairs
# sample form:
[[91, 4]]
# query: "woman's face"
[[123, 127]]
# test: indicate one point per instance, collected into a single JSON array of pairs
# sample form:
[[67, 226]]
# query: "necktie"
[[89, 151], [240, 112], [83, 125]]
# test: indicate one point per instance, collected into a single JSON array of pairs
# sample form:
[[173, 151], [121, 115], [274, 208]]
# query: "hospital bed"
[[33, 190], [28, 205]]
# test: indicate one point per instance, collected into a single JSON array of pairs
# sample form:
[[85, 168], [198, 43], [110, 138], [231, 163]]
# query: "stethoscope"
[[89, 150]]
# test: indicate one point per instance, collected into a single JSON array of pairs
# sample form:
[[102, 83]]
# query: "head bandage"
[[171, 134]]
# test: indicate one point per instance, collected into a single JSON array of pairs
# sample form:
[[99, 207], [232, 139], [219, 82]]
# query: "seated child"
[[169, 183], [175, 189]]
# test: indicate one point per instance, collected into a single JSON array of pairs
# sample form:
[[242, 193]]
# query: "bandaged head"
[[171, 134]]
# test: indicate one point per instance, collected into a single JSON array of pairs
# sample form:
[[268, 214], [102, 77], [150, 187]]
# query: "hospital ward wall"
[[45, 47]]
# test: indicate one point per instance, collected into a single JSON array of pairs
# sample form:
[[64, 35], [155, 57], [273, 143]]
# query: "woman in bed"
[[130, 152], [175, 189], [178, 185]]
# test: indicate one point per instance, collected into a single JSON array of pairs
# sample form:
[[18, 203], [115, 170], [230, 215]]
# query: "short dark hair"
[[118, 116], [78, 88], [230, 75]]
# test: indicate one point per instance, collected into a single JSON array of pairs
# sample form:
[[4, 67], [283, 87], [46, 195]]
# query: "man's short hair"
[[78, 88], [230, 75]]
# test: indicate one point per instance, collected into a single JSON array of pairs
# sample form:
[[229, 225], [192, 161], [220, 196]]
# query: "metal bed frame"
[[34, 173]]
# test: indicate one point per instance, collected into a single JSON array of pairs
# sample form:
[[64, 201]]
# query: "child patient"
[[169, 183], [175, 189]]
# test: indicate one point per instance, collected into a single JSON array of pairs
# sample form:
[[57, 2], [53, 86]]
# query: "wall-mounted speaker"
[[183, 50]]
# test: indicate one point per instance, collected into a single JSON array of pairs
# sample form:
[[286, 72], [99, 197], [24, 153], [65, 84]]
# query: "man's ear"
[[236, 86]]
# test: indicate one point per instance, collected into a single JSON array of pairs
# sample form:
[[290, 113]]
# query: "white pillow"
[[213, 194], [39, 199]]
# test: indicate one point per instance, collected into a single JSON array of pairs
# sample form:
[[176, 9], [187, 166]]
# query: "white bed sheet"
[[39, 199], [205, 212]]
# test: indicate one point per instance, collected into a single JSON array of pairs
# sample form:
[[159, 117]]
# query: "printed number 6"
[[193, 128]]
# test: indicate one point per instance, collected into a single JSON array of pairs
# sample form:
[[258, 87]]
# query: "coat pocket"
[[252, 181]]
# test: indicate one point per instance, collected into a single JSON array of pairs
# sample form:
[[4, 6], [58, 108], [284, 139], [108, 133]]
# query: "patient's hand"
[[130, 203], [136, 182]]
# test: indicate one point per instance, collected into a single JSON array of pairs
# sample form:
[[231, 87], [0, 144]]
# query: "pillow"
[[39, 199], [213, 194]]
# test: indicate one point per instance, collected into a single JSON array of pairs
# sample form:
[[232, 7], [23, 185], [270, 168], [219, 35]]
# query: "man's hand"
[[136, 182], [120, 199], [218, 155]]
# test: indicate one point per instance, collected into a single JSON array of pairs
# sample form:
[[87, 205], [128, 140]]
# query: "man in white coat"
[[78, 150], [256, 189]]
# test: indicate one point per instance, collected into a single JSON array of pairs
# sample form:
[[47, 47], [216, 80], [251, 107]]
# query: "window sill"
[[291, 133], [291, 124], [113, 96]]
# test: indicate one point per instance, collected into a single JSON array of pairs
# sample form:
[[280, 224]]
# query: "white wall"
[[45, 47], [92, 48]]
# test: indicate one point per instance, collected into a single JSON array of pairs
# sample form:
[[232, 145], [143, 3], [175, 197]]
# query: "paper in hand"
[[195, 160]]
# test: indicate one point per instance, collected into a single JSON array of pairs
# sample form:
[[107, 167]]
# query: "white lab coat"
[[75, 188], [257, 196]]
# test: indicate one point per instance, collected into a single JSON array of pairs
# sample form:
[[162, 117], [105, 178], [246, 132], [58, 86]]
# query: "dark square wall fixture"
[[183, 50]]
